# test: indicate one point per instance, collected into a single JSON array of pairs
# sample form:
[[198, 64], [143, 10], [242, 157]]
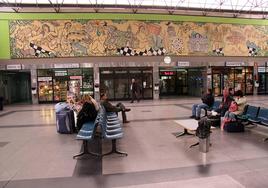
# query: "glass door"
[[167, 85], [45, 89], [121, 84], [75, 85], [262, 84], [147, 84], [60, 88], [216, 84], [228, 78], [107, 82], [249, 80], [181, 83], [239, 79]]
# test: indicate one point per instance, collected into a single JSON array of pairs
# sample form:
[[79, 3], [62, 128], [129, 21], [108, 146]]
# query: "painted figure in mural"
[[173, 42], [46, 38], [65, 45], [97, 46], [198, 43], [21, 43], [142, 37]]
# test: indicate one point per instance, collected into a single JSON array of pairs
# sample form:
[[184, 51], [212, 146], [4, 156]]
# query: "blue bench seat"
[[86, 134]]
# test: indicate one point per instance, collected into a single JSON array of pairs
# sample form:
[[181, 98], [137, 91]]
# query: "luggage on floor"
[[234, 127], [65, 121]]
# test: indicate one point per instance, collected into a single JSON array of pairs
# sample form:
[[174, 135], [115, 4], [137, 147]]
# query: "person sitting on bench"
[[88, 112], [225, 102], [207, 99], [236, 108], [111, 108]]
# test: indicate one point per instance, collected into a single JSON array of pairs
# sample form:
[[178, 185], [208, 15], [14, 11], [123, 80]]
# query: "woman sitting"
[[236, 108], [225, 102], [88, 112]]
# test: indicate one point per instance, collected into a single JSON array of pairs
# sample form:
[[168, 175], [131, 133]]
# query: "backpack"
[[203, 129]]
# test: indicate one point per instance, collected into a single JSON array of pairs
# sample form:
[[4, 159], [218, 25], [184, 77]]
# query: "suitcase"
[[65, 121], [61, 106]]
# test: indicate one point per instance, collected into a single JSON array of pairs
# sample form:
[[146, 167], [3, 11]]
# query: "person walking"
[[135, 91]]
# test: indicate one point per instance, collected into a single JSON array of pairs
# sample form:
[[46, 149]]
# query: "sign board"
[[183, 64], [14, 67], [261, 69], [87, 65], [44, 79], [60, 73], [234, 64], [76, 77], [69, 65]]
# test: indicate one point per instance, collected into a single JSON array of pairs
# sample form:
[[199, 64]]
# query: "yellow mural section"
[[69, 38]]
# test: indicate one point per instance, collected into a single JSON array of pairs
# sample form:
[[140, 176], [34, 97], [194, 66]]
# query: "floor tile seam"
[[6, 113], [26, 126], [191, 166], [172, 178], [160, 119], [242, 162]]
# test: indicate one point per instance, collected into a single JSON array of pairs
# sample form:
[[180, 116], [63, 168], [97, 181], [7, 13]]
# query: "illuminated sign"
[[168, 73]]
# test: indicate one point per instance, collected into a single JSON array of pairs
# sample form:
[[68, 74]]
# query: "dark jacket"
[[208, 99], [109, 107], [87, 113], [135, 87], [226, 104]]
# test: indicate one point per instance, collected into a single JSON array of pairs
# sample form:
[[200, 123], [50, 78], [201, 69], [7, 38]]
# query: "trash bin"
[[1, 103], [204, 144]]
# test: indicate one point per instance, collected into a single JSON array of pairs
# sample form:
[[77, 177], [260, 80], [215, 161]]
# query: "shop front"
[[54, 85], [117, 81], [238, 77]]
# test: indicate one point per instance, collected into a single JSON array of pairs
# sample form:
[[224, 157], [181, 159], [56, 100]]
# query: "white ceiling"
[[236, 7]]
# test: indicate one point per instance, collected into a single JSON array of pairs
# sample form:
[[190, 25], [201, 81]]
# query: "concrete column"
[[34, 85], [156, 81], [96, 72]]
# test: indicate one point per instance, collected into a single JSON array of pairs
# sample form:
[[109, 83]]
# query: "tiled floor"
[[32, 154]]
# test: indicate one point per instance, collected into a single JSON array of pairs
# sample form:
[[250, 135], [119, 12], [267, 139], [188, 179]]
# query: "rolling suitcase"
[[65, 121]]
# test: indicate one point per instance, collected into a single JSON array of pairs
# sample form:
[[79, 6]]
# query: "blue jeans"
[[196, 109]]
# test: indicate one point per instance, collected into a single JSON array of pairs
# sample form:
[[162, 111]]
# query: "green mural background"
[[83, 37]]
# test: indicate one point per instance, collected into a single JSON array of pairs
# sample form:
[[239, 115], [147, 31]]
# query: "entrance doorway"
[[117, 81], [15, 86], [180, 81]]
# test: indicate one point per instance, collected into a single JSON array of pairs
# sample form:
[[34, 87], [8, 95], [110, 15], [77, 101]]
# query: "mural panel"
[[73, 38]]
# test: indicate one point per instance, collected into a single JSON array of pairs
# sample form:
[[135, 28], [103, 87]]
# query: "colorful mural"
[[70, 38]]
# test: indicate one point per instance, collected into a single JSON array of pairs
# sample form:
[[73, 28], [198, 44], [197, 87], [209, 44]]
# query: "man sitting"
[[111, 108], [207, 99]]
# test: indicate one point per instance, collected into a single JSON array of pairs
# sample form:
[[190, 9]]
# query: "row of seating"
[[253, 114], [111, 129]]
